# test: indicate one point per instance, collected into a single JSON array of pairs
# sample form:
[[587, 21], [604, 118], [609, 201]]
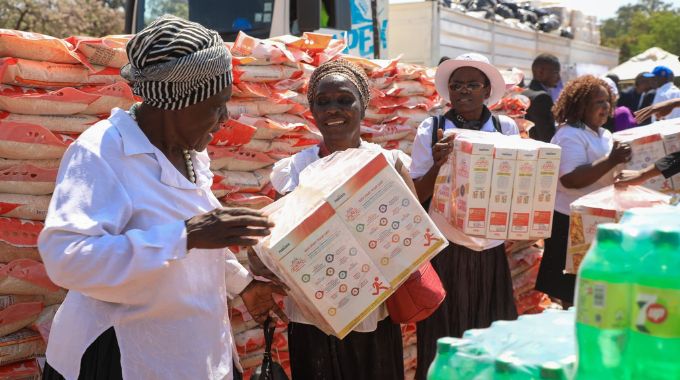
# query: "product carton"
[[545, 190], [647, 146], [523, 194], [670, 132], [603, 206], [347, 237], [502, 182], [474, 163]]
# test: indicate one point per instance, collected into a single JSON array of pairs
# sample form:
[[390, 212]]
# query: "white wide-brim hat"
[[479, 62]]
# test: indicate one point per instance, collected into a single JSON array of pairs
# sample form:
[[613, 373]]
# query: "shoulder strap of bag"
[[437, 123], [497, 123]]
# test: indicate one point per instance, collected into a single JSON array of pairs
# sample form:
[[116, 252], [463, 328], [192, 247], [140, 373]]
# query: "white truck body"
[[424, 31]]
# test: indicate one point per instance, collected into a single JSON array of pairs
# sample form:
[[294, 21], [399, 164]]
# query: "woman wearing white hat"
[[474, 271]]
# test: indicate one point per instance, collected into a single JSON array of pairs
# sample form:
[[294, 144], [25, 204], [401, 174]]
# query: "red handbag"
[[418, 297]]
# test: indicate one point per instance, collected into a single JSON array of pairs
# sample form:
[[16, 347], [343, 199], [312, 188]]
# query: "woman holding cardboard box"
[[589, 155], [474, 271], [338, 96]]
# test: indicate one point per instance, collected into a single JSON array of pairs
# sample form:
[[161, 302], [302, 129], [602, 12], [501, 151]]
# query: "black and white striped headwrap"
[[175, 63]]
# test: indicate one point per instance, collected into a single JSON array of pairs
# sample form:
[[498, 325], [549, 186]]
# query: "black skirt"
[[551, 277], [478, 291], [372, 355], [101, 361]]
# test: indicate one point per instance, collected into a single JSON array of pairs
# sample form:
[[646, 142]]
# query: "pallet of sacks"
[[51, 90], [410, 346], [524, 260]]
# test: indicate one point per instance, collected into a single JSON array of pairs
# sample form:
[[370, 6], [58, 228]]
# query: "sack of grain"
[[237, 159], [23, 344], [28, 141], [69, 124], [16, 316], [89, 100], [35, 46], [49, 75], [27, 179], [105, 51], [19, 239], [226, 182], [43, 323], [254, 201], [22, 206], [233, 133], [25, 277], [7, 163], [24, 370]]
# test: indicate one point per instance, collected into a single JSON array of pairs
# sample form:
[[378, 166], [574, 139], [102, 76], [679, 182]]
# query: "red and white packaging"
[[545, 190], [25, 277], [29, 141], [105, 51], [473, 169], [24, 370], [523, 194], [21, 345], [90, 100], [254, 201], [265, 74], [226, 182], [35, 46], [27, 179], [500, 199], [15, 316], [261, 107], [69, 124], [237, 159], [49, 75], [19, 239], [31, 207], [647, 146], [385, 132], [43, 323]]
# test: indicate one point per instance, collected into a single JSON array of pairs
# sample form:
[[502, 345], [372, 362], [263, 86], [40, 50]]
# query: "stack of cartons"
[[498, 187]]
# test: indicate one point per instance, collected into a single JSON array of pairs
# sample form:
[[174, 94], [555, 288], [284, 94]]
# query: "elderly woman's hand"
[[258, 268], [224, 227], [258, 299]]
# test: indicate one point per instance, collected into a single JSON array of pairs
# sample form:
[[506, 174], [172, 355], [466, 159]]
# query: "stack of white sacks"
[[402, 96], [51, 90]]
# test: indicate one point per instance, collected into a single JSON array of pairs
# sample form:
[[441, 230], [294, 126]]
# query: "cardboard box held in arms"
[[347, 237], [498, 187]]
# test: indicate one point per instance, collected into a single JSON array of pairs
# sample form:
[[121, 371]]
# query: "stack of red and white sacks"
[[402, 96], [524, 259], [408, 336], [51, 90]]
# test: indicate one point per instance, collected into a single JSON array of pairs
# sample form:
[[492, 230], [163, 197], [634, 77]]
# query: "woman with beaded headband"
[[135, 234], [338, 97]]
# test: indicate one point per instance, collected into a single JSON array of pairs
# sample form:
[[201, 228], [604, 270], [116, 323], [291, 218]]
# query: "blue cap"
[[663, 72]]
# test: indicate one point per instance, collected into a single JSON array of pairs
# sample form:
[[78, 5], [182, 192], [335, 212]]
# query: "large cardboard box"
[[647, 146], [347, 237], [474, 164], [603, 206], [523, 194], [502, 182], [547, 175]]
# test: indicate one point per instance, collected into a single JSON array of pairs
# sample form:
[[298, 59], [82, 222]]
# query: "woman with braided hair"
[[338, 96], [137, 237]]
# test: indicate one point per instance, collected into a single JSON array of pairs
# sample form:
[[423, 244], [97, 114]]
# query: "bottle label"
[[656, 311], [603, 304]]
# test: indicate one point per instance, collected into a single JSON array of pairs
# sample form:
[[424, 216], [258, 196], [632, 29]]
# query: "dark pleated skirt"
[[373, 355], [479, 291], [551, 277], [101, 361]]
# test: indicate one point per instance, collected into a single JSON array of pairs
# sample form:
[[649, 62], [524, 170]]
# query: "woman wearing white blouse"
[[589, 155], [135, 234]]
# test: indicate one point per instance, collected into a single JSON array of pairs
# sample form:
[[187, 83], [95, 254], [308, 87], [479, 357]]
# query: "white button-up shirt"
[[580, 146], [115, 237], [667, 92]]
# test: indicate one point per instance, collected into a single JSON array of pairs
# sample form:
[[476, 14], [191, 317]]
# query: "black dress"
[[372, 355], [478, 292], [551, 277]]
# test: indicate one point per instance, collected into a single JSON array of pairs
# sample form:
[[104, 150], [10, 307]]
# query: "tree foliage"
[[63, 18], [638, 27]]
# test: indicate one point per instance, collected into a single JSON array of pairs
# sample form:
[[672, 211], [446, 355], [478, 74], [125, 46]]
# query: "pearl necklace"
[[185, 152]]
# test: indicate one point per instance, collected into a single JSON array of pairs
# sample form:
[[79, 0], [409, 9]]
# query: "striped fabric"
[[176, 63]]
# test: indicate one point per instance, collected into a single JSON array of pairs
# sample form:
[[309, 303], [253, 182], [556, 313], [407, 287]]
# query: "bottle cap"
[[609, 232], [551, 370], [444, 345]]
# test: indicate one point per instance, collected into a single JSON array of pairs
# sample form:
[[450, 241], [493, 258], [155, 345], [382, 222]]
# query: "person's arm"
[[435, 157], [540, 113], [85, 246], [669, 165], [657, 110], [588, 174]]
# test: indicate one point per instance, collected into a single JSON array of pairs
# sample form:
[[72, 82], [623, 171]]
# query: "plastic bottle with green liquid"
[[603, 307], [441, 369], [655, 317]]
